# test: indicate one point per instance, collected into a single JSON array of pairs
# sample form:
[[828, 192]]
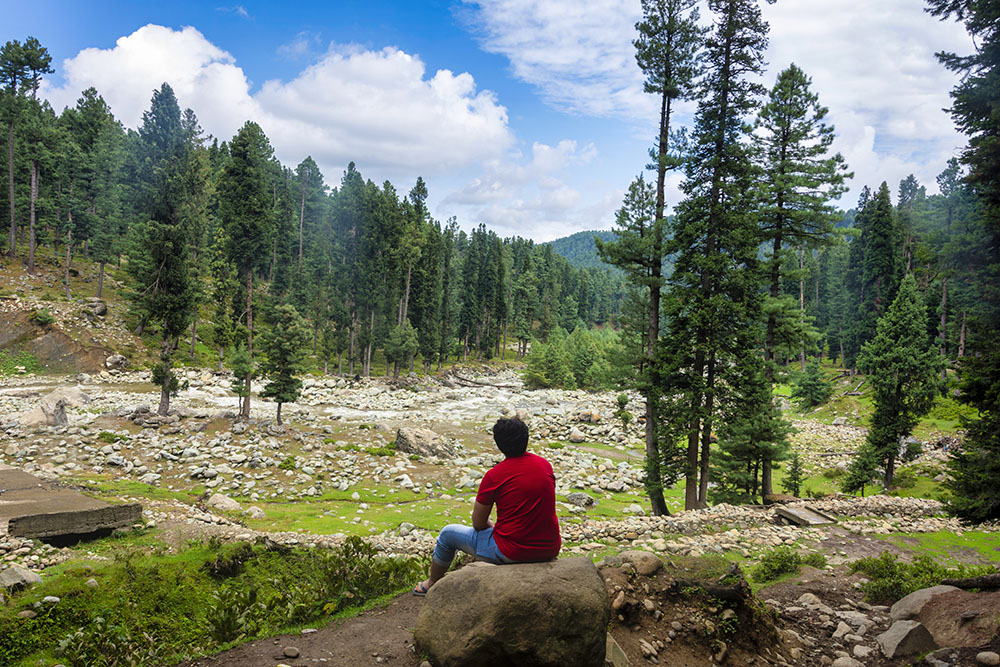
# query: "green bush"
[[12, 362], [783, 560], [288, 463], [111, 438], [891, 579], [42, 317]]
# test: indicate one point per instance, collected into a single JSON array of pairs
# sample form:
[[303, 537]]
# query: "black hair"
[[511, 436]]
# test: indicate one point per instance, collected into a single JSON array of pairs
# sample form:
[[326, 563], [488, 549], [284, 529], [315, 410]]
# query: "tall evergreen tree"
[[800, 180], [666, 49], [713, 299], [902, 367], [975, 101], [245, 209], [283, 345]]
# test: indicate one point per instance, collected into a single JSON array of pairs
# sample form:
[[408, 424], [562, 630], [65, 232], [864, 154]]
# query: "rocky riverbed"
[[338, 457]]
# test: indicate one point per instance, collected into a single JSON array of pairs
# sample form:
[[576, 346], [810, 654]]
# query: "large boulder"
[[51, 409], [15, 577], [531, 614], [962, 618], [910, 606], [422, 442], [95, 307]]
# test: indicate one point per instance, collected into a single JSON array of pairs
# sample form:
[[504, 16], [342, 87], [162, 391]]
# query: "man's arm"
[[481, 515]]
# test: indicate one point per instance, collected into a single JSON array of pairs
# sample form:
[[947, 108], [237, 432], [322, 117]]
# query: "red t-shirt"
[[524, 490]]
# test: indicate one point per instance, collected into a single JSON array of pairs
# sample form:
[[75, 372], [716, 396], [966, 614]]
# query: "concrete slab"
[[36, 508], [803, 516]]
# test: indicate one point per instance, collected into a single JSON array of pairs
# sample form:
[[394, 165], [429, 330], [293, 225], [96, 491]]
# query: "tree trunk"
[[100, 280], [279, 414], [706, 433], [31, 217], [340, 363], [246, 402], [194, 335], [302, 215], [12, 234], [167, 377], [802, 309], [943, 330], [69, 246], [961, 338], [222, 353]]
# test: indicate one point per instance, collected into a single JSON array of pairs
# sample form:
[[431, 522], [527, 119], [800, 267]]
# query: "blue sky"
[[526, 115]]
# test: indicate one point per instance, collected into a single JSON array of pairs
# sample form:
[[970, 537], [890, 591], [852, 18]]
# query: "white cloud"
[[872, 64], [530, 196], [578, 54], [302, 46], [378, 108]]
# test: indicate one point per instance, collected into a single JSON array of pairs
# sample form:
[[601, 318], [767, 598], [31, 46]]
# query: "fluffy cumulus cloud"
[[378, 108], [529, 195], [872, 64], [577, 53]]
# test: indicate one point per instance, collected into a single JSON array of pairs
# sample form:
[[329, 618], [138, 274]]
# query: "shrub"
[[288, 463], [42, 317], [111, 438], [891, 579], [783, 560], [793, 481]]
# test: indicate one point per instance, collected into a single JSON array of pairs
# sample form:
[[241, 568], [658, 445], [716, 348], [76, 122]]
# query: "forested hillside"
[[580, 250], [214, 234]]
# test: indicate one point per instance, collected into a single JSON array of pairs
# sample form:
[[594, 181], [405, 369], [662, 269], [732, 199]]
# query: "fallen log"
[[984, 581]]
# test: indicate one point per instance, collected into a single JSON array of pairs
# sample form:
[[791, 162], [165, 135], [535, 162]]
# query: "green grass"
[[182, 600], [10, 360], [943, 545], [112, 490]]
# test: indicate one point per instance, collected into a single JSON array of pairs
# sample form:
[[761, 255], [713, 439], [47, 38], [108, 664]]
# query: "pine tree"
[[801, 178], [713, 300], [669, 39], [902, 368], [795, 476], [245, 210], [975, 469], [811, 388], [283, 346]]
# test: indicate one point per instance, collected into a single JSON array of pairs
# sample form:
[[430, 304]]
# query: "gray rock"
[[906, 638], [255, 512], [95, 307], [290, 652], [222, 502], [577, 436], [517, 614], [840, 421], [644, 562], [910, 606], [15, 577], [422, 442], [580, 499], [116, 362], [846, 661], [988, 658]]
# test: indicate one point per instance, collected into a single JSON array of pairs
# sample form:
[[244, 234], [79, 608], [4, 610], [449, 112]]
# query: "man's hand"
[[481, 515]]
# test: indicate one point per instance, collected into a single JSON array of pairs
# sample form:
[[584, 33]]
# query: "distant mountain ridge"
[[579, 249]]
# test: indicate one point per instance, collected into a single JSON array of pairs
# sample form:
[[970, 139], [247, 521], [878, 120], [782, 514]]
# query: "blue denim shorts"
[[479, 543]]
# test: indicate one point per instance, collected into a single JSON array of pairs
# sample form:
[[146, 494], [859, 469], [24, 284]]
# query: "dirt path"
[[380, 636]]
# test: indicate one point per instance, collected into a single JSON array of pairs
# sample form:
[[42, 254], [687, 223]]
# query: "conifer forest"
[[697, 349]]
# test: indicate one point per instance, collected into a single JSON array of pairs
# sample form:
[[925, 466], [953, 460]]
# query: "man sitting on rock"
[[523, 489]]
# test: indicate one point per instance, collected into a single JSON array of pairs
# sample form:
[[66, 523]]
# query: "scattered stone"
[[255, 512], [290, 652], [846, 661], [577, 436], [116, 362]]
